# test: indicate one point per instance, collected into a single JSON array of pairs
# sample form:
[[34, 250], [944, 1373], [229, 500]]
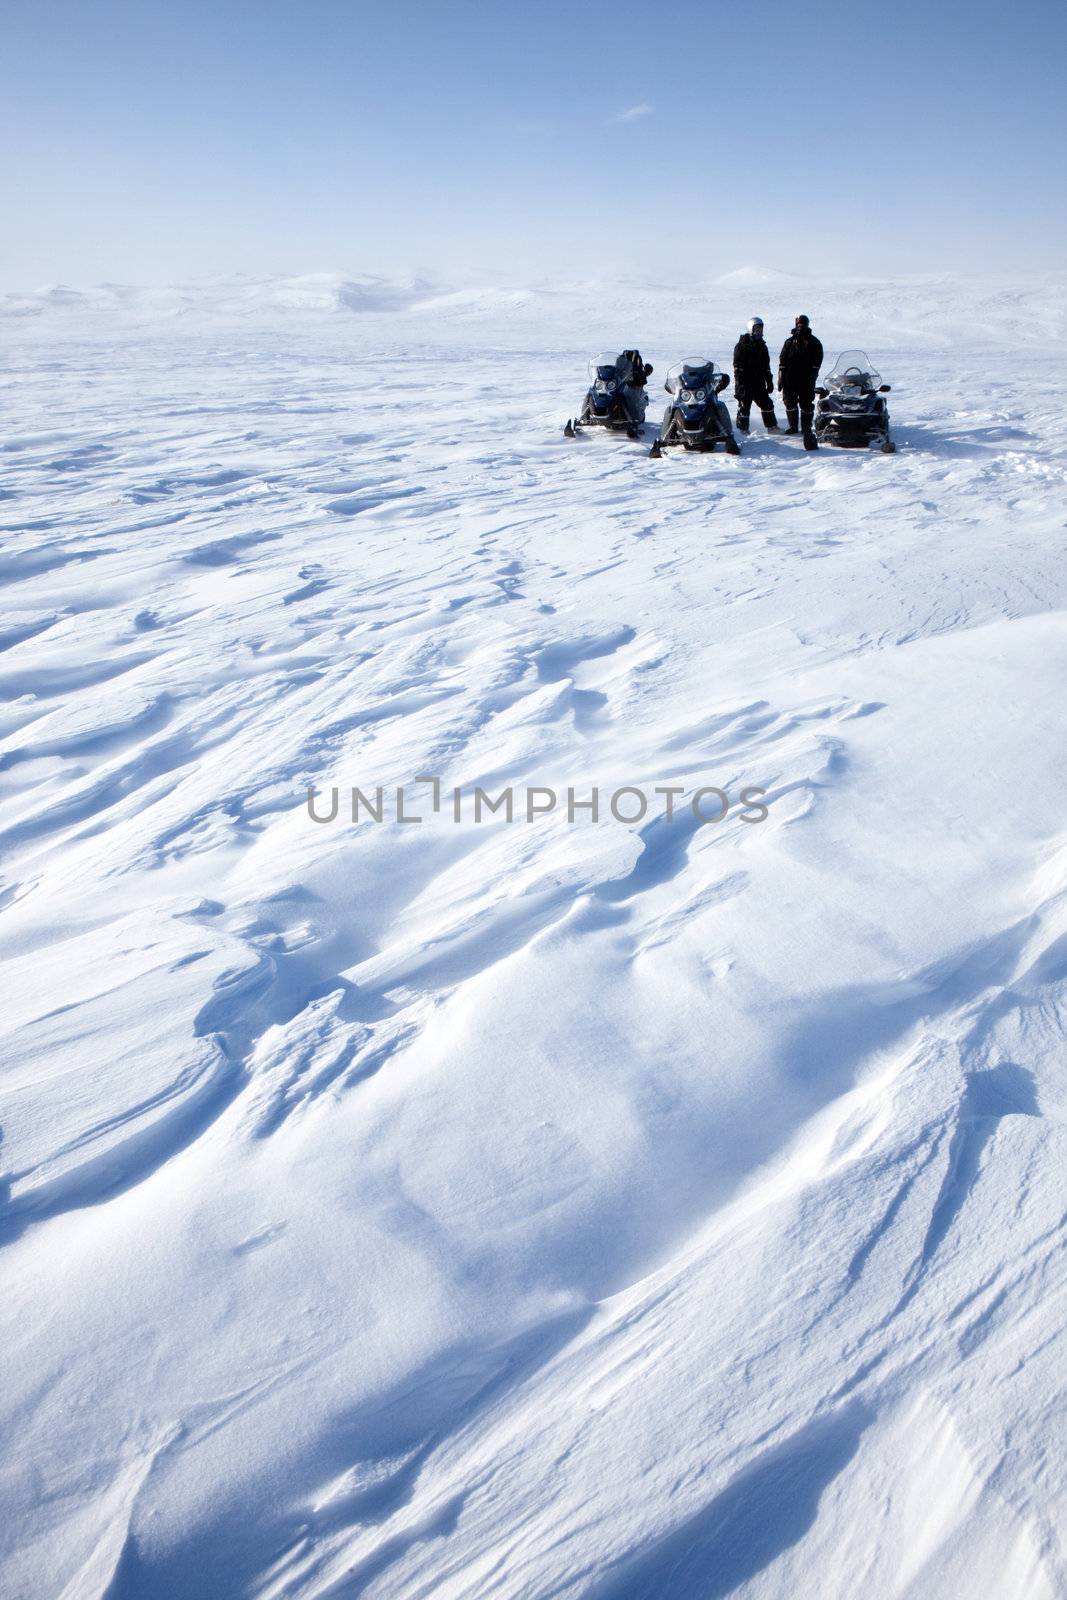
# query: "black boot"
[[791, 418], [742, 423], [770, 421], [810, 441]]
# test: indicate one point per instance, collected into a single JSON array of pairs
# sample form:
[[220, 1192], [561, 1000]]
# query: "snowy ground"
[[628, 1211]]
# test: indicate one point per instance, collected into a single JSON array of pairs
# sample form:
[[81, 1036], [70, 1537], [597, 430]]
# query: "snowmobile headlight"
[[606, 386], [686, 396], [700, 394]]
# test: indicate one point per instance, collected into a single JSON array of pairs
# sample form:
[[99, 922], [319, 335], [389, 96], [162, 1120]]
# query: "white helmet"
[[754, 323]]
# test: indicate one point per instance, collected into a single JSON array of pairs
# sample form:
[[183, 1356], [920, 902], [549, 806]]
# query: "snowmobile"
[[851, 411], [604, 405], [696, 418]]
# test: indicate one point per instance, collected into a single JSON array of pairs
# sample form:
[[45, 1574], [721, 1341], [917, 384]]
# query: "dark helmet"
[[803, 323]]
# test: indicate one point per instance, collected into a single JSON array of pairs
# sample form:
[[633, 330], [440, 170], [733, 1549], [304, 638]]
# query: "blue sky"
[[150, 140]]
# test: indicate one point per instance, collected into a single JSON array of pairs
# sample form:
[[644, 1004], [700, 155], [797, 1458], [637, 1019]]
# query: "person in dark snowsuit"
[[798, 370], [752, 377], [633, 375]]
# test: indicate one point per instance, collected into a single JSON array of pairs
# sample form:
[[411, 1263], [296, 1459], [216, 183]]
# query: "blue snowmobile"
[[696, 417], [616, 397]]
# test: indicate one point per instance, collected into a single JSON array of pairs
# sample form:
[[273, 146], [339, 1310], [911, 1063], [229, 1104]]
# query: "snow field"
[[533, 1209]]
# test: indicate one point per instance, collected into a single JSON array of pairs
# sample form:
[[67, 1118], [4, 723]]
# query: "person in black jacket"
[[798, 369], [633, 375], [752, 377]]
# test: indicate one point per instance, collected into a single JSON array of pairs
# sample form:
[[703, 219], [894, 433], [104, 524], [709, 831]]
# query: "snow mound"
[[756, 276]]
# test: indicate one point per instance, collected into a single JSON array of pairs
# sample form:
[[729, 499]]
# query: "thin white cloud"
[[632, 113]]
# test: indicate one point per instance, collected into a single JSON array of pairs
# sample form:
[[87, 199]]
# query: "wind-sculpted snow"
[[555, 1208]]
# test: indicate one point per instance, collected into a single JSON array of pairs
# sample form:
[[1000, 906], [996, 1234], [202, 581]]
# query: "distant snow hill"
[[932, 310], [332, 292], [313, 291], [765, 277]]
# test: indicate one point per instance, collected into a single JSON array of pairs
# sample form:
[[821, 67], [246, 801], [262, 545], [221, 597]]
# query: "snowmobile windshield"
[[605, 368], [852, 370], [693, 374]]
